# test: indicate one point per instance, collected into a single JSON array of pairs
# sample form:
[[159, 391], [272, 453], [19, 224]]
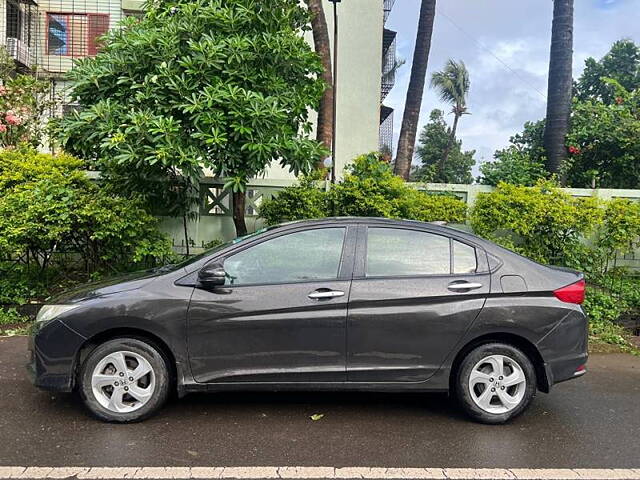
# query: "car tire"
[[495, 383], [124, 380]]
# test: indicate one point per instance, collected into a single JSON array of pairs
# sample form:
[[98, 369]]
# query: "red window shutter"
[[98, 26]]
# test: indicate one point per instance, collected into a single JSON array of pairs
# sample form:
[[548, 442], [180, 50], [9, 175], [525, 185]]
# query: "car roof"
[[431, 226]]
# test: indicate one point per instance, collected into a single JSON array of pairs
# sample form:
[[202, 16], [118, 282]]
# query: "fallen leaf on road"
[[316, 416], [192, 453]]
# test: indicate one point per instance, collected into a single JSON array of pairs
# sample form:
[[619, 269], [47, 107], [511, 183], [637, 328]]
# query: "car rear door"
[[281, 316], [414, 294]]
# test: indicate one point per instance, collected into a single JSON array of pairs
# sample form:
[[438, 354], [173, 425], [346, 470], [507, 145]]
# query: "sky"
[[505, 46]]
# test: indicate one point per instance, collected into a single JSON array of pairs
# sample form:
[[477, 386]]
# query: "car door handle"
[[326, 294], [464, 286]]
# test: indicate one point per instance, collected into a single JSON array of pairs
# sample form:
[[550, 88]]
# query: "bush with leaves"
[[48, 205], [541, 222], [25, 103], [369, 189]]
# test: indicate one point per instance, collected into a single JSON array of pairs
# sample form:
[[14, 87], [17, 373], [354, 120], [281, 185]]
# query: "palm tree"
[[453, 85], [409, 130], [560, 85], [323, 49]]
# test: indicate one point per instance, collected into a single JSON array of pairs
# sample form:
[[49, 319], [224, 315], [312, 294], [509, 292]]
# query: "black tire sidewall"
[[147, 350], [462, 382]]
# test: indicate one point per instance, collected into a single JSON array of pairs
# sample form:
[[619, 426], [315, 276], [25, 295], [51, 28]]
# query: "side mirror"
[[212, 275]]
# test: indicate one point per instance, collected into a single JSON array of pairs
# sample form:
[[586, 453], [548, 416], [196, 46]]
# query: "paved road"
[[591, 422]]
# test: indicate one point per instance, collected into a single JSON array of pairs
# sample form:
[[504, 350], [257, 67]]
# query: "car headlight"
[[49, 312]]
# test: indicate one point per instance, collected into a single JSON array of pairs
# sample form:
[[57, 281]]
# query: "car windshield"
[[211, 251]]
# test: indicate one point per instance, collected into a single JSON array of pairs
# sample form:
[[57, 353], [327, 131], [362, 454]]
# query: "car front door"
[[281, 315], [414, 294]]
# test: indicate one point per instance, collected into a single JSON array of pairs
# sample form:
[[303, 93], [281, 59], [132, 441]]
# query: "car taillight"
[[573, 293]]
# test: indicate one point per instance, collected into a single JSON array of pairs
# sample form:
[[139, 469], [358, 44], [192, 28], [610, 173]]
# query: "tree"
[[514, 166], [435, 138], [621, 63], [520, 163], [224, 85], [452, 84], [413, 103], [604, 142], [323, 49], [559, 85]]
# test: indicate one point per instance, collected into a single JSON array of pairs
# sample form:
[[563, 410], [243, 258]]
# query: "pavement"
[[588, 423]]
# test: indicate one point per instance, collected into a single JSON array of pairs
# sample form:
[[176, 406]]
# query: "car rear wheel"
[[124, 380], [495, 383]]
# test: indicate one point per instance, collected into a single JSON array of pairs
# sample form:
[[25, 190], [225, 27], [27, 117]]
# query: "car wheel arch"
[[528, 348], [125, 332]]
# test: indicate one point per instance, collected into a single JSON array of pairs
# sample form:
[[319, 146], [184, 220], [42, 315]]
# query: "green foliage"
[[11, 316], [520, 163], [47, 204], [541, 222], [216, 84], [369, 189], [298, 202], [512, 165], [603, 310], [604, 142], [621, 63], [433, 141]]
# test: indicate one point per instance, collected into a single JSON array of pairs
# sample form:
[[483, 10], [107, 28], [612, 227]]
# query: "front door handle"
[[326, 294], [464, 286]]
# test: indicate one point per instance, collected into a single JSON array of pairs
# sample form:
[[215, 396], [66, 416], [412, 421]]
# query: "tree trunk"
[[560, 85], [323, 49], [409, 130], [447, 150], [239, 202]]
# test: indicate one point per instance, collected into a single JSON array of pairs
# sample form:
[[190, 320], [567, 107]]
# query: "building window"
[[75, 35], [14, 20]]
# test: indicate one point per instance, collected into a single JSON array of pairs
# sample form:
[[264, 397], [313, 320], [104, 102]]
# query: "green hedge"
[[369, 189]]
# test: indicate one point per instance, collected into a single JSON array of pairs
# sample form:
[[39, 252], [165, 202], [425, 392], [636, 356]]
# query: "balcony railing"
[[388, 6], [389, 61]]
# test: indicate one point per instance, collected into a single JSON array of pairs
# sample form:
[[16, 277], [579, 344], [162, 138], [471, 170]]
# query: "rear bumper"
[[565, 349], [52, 354]]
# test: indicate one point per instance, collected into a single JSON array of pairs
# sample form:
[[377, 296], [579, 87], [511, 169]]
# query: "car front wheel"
[[495, 383], [124, 380]]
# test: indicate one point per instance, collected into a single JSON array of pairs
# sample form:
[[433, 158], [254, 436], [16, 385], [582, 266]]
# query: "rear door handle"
[[326, 294], [464, 286]]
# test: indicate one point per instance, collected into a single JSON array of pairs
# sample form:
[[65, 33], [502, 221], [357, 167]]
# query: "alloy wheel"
[[497, 384], [123, 381]]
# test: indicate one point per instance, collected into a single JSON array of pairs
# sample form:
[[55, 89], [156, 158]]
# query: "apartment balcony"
[[388, 6], [19, 35], [389, 61], [386, 129]]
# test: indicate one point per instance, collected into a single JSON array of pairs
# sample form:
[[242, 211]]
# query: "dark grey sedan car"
[[335, 304]]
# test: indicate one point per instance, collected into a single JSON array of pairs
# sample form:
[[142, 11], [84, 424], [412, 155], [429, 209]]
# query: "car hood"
[[122, 283]]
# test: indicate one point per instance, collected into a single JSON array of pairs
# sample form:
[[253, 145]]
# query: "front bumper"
[[52, 354]]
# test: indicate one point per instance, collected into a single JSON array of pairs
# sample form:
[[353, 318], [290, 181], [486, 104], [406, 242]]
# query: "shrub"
[[298, 202], [369, 189], [603, 309], [48, 205], [541, 222]]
